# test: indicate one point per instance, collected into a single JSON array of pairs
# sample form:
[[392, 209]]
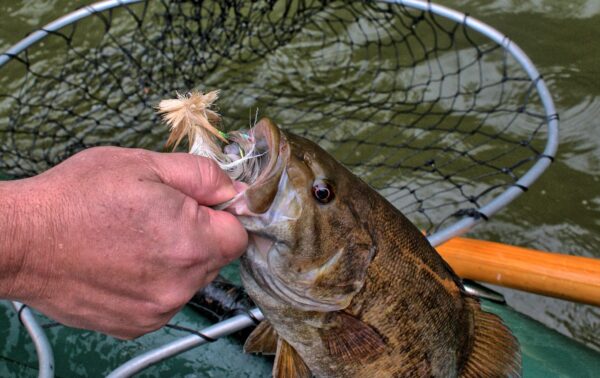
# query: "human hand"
[[116, 240]]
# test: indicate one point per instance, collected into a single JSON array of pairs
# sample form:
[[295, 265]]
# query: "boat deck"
[[546, 353]]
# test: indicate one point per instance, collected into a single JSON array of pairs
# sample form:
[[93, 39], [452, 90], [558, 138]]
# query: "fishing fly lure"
[[191, 115]]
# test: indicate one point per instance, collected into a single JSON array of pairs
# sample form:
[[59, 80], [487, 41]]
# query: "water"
[[561, 211]]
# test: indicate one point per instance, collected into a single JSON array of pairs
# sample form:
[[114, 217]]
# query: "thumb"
[[195, 176]]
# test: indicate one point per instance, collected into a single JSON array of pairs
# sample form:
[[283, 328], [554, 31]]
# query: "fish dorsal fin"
[[262, 340], [288, 363], [494, 350], [352, 340]]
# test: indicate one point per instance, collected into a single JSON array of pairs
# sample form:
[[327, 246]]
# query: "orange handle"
[[562, 276]]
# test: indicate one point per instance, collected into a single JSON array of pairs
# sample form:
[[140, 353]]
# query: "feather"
[[190, 116]]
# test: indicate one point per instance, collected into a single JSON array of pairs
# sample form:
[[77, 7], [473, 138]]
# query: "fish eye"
[[322, 191]]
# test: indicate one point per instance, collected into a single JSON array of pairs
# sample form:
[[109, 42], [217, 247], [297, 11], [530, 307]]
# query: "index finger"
[[195, 176]]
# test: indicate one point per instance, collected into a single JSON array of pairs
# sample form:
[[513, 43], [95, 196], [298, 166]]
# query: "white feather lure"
[[191, 116]]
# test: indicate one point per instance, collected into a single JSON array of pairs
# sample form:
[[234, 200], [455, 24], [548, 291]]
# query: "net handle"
[[218, 330]]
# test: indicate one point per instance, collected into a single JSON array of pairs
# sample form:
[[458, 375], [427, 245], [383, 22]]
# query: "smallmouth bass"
[[349, 286]]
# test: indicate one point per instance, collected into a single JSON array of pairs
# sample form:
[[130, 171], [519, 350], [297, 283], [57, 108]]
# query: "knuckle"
[[190, 211], [170, 302], [187, 253], [101, 152], [207, 166], [205, 219]]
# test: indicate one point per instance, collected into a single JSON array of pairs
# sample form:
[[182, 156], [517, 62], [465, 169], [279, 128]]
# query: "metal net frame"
[[441, 113]]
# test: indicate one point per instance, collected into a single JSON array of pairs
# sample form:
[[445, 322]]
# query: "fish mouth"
[[268, 139], [271, 146], [264, 151]]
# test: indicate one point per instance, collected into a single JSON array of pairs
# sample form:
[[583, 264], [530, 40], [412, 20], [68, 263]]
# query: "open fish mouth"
[[262, 191], [255, 151], [256, 158], [268, 203]]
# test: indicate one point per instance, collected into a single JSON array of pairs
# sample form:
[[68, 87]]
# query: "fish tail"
[[494, 350]]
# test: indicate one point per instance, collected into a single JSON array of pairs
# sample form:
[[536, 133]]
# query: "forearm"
[[21, 225]]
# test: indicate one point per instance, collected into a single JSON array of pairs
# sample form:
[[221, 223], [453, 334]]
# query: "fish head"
[[309, 239]]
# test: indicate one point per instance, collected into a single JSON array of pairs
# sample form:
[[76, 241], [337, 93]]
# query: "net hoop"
[[43, 348]]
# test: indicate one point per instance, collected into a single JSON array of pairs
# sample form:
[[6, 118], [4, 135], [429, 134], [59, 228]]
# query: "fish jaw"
[[255, 267], [261, 281], [259, 196]]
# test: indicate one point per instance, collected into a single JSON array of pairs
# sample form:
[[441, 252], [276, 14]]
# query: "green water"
[[561, 211]]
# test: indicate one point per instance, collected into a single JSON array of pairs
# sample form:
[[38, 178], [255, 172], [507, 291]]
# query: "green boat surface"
[[546, 353]]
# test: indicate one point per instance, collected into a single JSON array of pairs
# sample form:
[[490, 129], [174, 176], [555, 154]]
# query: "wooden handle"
[[562, 276]]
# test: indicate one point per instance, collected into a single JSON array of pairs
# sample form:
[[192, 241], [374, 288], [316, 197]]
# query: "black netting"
[[434, 115]]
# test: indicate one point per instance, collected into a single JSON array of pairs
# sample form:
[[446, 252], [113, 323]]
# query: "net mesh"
[[435, 116]]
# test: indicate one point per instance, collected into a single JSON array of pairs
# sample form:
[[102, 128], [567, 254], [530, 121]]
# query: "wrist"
[[21, 225]]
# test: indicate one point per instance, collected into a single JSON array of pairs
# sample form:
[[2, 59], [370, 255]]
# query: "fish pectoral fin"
[[352, 340], [288, 363], [494, 351], [262, 340]]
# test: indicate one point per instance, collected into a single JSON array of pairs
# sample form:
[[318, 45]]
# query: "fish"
[[349, 287]]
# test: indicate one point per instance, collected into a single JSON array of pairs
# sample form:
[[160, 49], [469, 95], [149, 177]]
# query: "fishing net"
[[437, 111], [433, 114]]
